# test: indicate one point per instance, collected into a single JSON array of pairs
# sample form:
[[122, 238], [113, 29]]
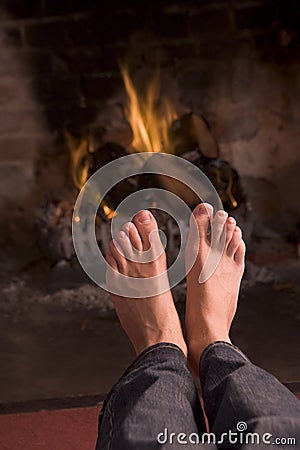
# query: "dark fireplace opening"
[[83, 83]]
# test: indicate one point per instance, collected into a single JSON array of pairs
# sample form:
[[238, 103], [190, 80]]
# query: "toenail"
[[231, 220], [127, 227], [202, 209], [144, 217]]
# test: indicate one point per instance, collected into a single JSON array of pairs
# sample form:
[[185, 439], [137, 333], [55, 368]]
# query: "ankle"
[[177, 340], [196, 347]]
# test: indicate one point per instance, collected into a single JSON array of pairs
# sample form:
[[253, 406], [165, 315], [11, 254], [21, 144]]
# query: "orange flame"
[[80, 149], [109, 213], [150, 117]]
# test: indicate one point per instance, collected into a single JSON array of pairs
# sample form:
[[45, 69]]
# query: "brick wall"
[[237, 62]]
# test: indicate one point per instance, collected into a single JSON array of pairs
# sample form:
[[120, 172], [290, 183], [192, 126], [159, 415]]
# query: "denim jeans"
[[155, 404]]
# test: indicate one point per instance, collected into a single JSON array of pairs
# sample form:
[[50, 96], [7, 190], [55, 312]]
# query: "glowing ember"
[[149, 116], [109, 213]]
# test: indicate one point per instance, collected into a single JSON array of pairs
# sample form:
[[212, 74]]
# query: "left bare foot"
[[211, 305], [149, 320]]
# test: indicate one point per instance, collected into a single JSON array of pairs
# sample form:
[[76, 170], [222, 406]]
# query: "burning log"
[[53, 223], [155, 127], [190, 133], [192, 139], [102, 156], [54, 230]]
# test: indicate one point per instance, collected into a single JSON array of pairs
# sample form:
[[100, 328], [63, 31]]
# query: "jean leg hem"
[[133, 366], [221, 344]]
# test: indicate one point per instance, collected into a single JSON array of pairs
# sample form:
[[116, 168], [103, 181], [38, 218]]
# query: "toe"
[[219, 225], [125, 246], [111, 261], [230, 227], [239, 255], [203, 215], [134, 236], [145, 224], [116, 251], [235, 242]]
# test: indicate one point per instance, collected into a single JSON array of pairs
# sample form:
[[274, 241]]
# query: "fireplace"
[[83, 85], [221, 81], [153, 125], [236, 65]]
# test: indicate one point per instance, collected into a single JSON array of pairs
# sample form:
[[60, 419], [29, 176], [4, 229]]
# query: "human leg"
[[154, 398], [157, 392], [234, 389]]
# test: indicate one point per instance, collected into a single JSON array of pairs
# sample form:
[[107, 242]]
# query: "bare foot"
[[150, 320], [211, 306]]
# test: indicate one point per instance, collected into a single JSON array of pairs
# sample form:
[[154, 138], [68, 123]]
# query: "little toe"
[[239, 255], [134, 236], [230, 227], [203, 215], [145, 224], [235, 242]]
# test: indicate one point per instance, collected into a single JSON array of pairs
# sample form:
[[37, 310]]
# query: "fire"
[[109, 213], [150, 116], [79, 153]]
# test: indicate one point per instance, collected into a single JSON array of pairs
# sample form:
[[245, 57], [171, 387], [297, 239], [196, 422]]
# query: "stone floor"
[[68, 343], [63, 429], [77, 354]]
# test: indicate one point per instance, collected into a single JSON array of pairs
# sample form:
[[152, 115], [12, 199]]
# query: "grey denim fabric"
[[235, 390], [157, 396]]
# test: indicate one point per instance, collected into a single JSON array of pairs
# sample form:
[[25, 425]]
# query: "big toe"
[[145, 224], [198, 236], [203, 214]]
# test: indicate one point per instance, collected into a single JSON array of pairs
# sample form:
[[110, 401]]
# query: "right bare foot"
[[146, 320], [211, 306]]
